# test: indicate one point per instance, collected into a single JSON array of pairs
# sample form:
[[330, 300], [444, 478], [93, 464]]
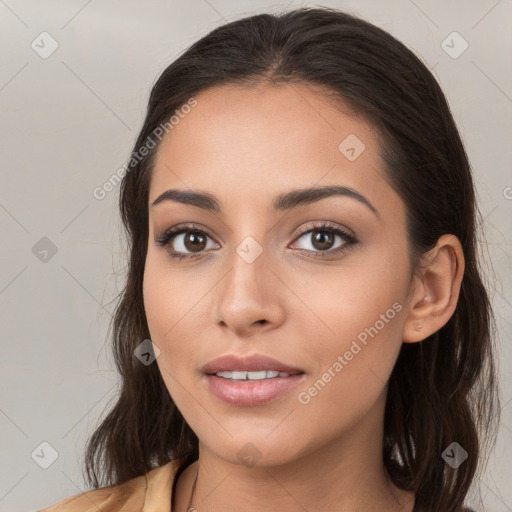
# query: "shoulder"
[[136, 495], [462, 509]]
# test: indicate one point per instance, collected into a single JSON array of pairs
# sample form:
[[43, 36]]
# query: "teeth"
[[243, 375]]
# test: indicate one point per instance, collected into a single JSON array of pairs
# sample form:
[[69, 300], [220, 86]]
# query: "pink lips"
[[249, 392], [253, 363]]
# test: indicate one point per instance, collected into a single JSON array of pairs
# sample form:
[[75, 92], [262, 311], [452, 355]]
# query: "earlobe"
[[436, 290]]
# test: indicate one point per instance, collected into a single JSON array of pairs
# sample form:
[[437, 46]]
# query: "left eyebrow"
[[305, 196], [286, 201]]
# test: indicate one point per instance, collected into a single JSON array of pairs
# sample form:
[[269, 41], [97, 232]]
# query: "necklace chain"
[[189, 505]]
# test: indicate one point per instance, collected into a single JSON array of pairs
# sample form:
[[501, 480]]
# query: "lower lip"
[[248, 393]]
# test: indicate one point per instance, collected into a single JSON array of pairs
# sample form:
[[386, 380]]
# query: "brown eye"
[[185, 241], [194, 241], [322, 240], [190, 241]]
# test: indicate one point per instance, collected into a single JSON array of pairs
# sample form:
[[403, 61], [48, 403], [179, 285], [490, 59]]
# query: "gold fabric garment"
[[151, 492]]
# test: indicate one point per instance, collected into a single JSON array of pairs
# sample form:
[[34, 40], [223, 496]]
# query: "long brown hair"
[[441, 390]]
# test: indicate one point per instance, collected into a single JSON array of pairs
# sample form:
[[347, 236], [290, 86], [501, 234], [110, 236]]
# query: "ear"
[[435, 291]]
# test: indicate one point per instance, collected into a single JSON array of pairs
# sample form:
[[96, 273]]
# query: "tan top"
[[151, 492]]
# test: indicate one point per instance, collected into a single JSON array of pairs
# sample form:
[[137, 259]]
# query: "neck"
[[317, 486], [345, 474]]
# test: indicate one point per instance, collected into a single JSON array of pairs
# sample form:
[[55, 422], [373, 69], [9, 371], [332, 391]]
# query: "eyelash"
[[325, 227]]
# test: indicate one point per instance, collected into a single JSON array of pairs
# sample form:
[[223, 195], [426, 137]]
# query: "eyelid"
[[310, 226], [318, 225]]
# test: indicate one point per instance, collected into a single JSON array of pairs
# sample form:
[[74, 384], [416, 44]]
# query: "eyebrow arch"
[[286, 201]]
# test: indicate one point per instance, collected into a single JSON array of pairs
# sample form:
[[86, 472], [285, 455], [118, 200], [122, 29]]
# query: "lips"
[[252, 363], [234, 390]]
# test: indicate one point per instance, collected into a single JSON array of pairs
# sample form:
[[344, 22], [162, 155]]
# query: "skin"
[[246, 145]]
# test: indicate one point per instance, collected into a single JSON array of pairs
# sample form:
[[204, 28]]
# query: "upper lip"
[[255, 362]]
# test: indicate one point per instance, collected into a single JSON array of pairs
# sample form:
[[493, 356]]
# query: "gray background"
[[69, 121]]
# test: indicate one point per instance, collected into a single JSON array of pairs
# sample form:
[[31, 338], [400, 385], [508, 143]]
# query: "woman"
[[302, 225]]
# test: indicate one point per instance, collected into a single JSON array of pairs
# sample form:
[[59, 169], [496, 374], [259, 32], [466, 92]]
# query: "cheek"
[[337, 303], [355, 337], [174, 304], [352, 367], [171, 298]]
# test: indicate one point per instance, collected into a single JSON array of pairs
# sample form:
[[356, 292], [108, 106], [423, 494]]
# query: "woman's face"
[[258, 280]]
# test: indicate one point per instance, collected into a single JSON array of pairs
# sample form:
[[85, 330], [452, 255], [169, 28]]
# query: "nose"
[[249, 297]]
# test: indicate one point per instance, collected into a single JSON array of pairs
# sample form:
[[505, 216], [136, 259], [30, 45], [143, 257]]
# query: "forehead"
[[262, 140]]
